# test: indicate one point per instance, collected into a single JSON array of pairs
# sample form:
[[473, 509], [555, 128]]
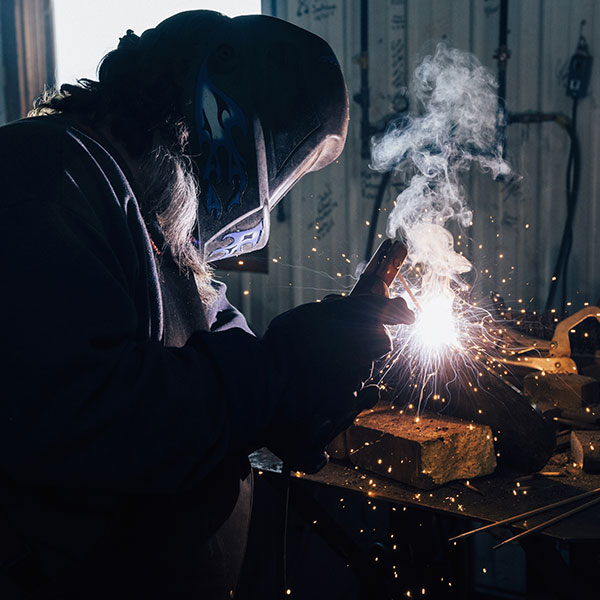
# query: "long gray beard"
[[171, 193]]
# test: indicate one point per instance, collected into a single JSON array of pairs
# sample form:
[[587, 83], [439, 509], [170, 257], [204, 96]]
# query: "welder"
[[133, 391]]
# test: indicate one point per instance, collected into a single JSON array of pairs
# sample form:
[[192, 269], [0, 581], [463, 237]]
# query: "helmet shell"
[[265, 102]]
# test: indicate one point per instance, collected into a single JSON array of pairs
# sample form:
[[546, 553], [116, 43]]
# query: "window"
[[86, 31]]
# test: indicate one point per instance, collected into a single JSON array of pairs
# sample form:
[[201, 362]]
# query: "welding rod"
[[529, 513], [545, 524], [409, 291]]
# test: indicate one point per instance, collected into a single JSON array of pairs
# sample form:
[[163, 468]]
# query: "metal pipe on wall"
[[363, 97]]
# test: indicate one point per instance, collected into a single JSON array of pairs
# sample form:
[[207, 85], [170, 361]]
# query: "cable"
[[574, 181], [573, 177], [577, 80], [570, 210], [385, 180]]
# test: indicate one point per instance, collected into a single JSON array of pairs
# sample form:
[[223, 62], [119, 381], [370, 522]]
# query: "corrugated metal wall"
[[319, 233]]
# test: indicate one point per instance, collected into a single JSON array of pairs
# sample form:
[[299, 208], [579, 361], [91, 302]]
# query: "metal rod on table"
[[556, 519], [525, 515]]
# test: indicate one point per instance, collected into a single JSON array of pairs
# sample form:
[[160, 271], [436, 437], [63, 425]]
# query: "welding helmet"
[[265, 102]]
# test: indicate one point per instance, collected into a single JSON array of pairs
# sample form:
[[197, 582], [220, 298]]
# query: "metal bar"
[[545, 524], [527, 514]]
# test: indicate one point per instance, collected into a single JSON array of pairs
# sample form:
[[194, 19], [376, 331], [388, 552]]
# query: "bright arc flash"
[[435, 328]]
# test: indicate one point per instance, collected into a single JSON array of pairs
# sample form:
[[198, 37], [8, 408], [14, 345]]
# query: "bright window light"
[[85, 30]]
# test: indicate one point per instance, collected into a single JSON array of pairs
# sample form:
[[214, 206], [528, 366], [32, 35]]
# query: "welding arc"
[[530, 513]]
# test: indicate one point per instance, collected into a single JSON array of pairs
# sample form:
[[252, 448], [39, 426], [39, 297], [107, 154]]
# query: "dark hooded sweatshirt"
[[125, 417]]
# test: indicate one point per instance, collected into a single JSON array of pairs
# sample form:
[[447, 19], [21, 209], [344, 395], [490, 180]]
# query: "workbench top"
[[497, 497]]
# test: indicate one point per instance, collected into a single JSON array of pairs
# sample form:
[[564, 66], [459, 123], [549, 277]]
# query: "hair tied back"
[[129, 41]]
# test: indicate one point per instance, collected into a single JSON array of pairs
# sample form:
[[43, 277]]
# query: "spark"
[[449, 340]]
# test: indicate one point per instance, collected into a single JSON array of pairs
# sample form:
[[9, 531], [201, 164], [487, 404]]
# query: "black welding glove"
[[325, 351]]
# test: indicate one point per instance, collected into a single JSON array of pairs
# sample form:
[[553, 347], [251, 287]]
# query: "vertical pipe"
[[502, 56], [365, 126], [503, 53]]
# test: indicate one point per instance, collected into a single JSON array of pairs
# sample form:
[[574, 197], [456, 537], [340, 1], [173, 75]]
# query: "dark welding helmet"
[[265, 102]]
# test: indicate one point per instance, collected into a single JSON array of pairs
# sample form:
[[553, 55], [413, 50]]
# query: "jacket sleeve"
[[85, 404]]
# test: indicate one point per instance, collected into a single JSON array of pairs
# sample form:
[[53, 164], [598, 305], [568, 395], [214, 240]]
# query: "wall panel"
[[520, 218]]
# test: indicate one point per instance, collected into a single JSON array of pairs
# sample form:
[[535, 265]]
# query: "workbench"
[[487, 499]]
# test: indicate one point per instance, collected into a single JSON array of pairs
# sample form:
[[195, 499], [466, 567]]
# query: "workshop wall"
[[320, 229]]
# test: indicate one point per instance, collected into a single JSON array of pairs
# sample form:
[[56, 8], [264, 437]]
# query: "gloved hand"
[[324, 351]]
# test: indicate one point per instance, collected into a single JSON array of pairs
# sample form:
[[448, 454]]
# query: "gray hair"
[[170, 191]]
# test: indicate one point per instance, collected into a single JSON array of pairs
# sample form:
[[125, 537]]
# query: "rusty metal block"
[[562, 390], [424, 454], [585, 449]]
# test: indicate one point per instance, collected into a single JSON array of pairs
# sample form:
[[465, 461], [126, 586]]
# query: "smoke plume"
[[454, 128]]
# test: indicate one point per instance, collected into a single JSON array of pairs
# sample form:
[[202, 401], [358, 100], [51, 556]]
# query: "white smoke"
[[455, 127]]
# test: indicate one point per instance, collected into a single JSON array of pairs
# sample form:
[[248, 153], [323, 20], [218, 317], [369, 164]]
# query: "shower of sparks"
[[451, 341]]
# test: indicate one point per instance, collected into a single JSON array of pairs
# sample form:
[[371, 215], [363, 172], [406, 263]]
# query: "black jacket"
[[106, 425]]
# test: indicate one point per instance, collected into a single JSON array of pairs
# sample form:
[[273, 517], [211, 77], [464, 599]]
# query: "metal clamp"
[[558, 349]]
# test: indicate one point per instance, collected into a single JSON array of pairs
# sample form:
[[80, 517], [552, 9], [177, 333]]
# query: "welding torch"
[[383, 269]]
